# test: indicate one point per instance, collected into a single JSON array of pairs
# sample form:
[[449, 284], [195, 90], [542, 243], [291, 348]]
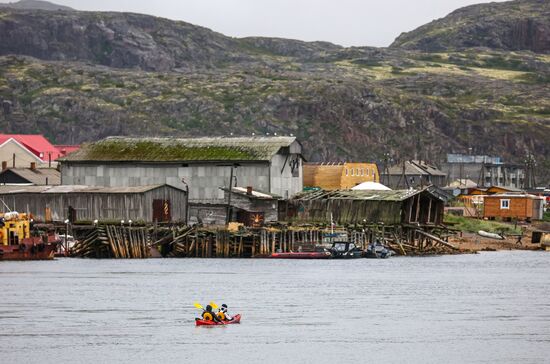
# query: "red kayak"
[[301, 255], [236, 320]]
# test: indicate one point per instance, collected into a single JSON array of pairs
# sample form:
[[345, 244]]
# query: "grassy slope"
[[472, 225]]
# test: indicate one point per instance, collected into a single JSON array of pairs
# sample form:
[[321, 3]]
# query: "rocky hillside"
[[35, 4], [121, 40], [511, 25], [85, 76]]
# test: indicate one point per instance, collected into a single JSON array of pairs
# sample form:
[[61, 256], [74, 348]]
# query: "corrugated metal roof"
[[255, 194], [37, 176], [181, 149], [6, 190], [394, 195], [417, 168]]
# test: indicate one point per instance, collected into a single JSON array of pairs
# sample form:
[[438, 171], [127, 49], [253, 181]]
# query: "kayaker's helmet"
[[224, 308], [208, 308]]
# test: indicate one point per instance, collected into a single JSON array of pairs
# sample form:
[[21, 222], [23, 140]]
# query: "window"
[[505, 204], [367, 172], [362, 171], [352, 171], [346, 171], [357, 172], [373, 174]]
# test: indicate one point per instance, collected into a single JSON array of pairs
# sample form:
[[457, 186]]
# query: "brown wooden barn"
[[344, 207], [513, 206]]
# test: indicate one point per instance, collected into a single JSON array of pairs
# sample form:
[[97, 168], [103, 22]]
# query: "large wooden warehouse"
[[162, 203]]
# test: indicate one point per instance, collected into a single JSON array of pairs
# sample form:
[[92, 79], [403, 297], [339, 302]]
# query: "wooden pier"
[[111, 241]]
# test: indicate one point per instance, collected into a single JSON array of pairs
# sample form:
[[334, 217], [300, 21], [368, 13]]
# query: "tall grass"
[[473, 225]]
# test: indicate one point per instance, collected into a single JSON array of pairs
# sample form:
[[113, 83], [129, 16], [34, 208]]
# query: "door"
[[161, 211]]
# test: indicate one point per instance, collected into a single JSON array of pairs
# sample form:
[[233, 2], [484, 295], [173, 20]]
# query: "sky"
[[345, 22]]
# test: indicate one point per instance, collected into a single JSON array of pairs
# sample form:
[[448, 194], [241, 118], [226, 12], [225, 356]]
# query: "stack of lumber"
[[110, 241]]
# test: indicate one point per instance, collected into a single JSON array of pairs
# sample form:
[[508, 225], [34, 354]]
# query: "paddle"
[[213, 304], [198, 305]]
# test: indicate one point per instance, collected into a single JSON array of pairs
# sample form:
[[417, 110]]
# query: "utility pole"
[[229, 210], [530, 164]]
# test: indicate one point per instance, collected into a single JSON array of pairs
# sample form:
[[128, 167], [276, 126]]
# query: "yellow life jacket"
[[221, 315], [207, 316]]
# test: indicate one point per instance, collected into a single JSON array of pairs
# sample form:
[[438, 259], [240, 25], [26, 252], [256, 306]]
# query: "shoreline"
[[475, 243]]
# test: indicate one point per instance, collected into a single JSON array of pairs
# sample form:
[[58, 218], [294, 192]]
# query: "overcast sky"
[[345, 22]]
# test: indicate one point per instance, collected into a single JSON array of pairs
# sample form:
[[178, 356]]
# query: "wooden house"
[[362, 207], [413, 174], [521, 206], [20, 150], [339, 176]]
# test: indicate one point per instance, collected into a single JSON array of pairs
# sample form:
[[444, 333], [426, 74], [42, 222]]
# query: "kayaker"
[[208, 315], [223, 315]]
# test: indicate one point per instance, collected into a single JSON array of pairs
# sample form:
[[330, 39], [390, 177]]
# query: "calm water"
[[485, 308]]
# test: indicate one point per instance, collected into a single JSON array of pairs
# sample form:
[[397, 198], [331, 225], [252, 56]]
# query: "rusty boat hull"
[[33, 248]]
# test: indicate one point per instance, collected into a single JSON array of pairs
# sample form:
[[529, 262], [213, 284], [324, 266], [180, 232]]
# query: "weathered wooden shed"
[[252, 208], [161, 203], [521, 206], [359, 207]]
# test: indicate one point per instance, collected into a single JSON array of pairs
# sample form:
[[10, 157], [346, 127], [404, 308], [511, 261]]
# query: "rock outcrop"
[[512, 25]]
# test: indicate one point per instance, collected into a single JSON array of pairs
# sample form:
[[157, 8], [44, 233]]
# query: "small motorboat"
[[378, 250], [200, 322], [345, 250]]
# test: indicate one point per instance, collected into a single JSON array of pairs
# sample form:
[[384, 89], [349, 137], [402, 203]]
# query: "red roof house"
[[39, 146]]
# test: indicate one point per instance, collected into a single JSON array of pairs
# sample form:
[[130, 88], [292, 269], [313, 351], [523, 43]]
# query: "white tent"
[[373, 186]]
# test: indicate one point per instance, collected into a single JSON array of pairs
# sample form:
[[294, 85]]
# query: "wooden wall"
[[423, 208], [101, 206], [339, 176], [520, 207]]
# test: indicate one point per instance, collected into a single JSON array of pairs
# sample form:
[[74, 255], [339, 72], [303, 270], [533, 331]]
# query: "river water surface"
[[484, 308]]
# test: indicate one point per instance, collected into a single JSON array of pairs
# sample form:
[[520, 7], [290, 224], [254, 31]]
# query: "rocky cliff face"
[[512, 25], [120, 40], [78, 77]]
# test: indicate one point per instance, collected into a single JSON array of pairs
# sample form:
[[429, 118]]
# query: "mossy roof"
[[119, 149]]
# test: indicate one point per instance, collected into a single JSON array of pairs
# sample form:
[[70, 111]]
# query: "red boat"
[[16, 242], [236, 320], [302, 255]]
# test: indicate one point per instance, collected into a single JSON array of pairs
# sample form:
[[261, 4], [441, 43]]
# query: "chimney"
[[33, 166], [249, 190], [4, 165]]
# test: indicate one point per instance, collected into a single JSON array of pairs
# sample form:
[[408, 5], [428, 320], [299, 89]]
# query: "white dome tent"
[[371, 186]]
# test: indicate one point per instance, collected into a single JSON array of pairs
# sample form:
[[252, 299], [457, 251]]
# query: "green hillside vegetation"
[[162, 78]]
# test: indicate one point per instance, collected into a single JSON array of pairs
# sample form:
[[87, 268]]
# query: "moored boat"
[[302, 255], [345, 250], [16, 242], [378, 251]]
